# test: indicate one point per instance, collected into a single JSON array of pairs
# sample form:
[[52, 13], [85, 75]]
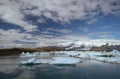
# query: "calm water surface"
[[88, 69]]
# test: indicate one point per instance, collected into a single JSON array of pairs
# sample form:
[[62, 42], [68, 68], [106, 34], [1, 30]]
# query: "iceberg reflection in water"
[[84, 69]]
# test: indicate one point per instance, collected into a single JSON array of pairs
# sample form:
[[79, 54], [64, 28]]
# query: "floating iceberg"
[[109, 60], [44, 61], [64, 60], [115, 53], [54, 60], [23, 54], [31, 61]]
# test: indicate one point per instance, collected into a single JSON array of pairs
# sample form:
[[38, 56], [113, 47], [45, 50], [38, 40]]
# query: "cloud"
[[100, 35], [43, 41], [104, 35], [84, 29], [15, 11], [10, 12], [64, 31], [16, 38], [10, 37], [111, 25]]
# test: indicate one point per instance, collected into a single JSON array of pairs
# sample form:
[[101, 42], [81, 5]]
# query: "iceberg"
[[64, 60], [115, 53], [54, 60], [23, 54], [108, 60], [31, 61], [44, 54]]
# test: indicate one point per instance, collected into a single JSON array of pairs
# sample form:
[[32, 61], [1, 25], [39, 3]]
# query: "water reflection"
[[88, 69], [10, 75]]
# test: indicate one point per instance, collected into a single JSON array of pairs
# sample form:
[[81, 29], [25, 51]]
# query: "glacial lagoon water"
[[87, 69]]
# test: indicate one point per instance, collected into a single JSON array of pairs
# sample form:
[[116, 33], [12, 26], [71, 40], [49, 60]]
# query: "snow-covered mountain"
[[86, 45]]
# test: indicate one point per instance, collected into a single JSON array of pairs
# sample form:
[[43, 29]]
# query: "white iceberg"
[[30, 61], [109, 60], [115, 53], [54, 60], [64, 60], [23, 54], [44, 61], [44, 54]]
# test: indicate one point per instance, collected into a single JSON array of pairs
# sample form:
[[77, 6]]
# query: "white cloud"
[[65, 31], [91, 21], [100, 35], [84, 29], [111, 25], [104, 35], [9, 38], [10, 12], [15, 38], [14, 11], [42, 41]]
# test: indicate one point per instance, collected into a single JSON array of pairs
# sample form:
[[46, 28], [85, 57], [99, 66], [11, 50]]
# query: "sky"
[[39, 23]]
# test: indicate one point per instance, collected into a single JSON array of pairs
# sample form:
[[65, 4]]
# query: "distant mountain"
[[90, 45], [87, 45], [106, 48]]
